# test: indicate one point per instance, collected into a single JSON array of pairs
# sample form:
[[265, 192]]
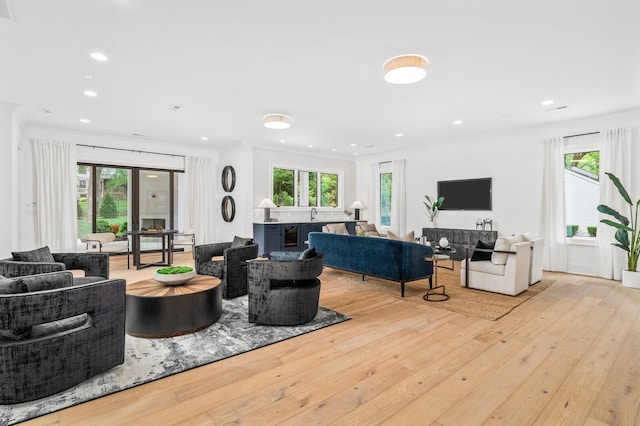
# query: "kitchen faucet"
[[314, 212]]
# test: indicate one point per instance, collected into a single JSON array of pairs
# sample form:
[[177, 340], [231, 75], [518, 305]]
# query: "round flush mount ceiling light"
[[277, 121], [99, 56], [90, 93], [405, 69]]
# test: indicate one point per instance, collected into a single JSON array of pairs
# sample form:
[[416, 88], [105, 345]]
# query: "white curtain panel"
[[374, 208], [553, 206], [615, 157], [56, 179], [398, 198], [199, 208]]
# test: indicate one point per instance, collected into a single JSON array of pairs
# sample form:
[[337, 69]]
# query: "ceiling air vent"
[[174, 108]]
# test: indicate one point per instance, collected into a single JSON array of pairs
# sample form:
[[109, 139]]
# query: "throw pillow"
[[309, 253], [504, 244], [337, 228], [482, 255], [13, 286], [42, 254], [239, 242], [408, 237], [50, 281]]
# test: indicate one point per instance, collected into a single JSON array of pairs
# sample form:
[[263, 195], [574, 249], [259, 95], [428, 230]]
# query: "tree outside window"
[[293, 187], [385, 198]]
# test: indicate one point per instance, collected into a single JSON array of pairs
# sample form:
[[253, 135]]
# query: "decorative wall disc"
[[228, 208], [228, 178]]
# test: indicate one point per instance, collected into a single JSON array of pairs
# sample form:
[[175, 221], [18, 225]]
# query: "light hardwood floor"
[[566, 356]]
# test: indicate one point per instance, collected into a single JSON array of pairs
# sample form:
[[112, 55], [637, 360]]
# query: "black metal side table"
[[437, 292]]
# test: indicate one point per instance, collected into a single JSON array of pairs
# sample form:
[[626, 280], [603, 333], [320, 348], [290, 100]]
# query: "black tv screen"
[[468, 194]]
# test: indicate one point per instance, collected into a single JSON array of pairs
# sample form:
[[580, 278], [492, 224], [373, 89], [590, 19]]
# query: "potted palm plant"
[[627, 233]]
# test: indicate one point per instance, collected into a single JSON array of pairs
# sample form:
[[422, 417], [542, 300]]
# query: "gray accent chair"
[[54, 335], [284, 290], [231, 265], [94, 265]]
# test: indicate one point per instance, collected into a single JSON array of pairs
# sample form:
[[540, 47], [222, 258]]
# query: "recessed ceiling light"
[[204, 138], [281, 140], [85, 121], [90, 93], [99, 56], [457, 122], [352, 144], [547, 102], [405, 69], [355, 153], [333, 150], [88, 76], [310, 146], [46, 110], [277, 121], [398, 135]]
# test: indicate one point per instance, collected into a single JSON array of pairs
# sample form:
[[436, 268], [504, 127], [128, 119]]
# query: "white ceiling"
[[227, 63]]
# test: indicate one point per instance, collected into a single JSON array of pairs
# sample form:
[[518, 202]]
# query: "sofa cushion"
[[309, 253], [410, 237], [42, 254], [485, 267], [367, 230], [212, 268], [504, 244], [482, 255], [12, 285], [239, 241], [336, 228], [60, 326], [50, 281]]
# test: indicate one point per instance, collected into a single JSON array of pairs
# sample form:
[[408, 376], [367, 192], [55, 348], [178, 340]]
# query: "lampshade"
[[405, 69], [266, 203], [277, 121], [357, 205]]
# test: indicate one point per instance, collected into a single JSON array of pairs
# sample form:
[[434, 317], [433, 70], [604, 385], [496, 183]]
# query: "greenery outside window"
[[299, 188], [581, 172], [386, 180]]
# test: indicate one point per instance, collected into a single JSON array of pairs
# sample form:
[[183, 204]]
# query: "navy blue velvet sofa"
[[378, 257]]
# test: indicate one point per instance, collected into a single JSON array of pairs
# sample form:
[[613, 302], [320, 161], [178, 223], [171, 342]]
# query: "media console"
[[459, 238]]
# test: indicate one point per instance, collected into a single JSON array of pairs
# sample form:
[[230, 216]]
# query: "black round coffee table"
[[158, 310]]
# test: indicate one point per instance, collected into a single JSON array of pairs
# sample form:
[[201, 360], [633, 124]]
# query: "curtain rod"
[[581, 134], [131, 150]]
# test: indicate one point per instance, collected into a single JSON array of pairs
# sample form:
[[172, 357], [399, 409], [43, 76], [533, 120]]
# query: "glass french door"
[[118, 199]]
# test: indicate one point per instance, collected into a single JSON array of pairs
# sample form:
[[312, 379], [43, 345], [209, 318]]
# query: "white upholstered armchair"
[[504, 269]]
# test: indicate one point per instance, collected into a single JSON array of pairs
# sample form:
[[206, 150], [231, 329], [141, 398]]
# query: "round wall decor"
[[228, 178], [228, 208]]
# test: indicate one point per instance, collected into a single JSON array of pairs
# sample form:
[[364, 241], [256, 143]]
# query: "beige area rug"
[[476, 303]]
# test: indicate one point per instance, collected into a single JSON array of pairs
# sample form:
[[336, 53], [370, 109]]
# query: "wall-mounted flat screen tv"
[[468, 194]]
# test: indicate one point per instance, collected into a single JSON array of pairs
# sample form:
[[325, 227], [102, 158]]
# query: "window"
[[581, 178], [299, 188], [386, 180]]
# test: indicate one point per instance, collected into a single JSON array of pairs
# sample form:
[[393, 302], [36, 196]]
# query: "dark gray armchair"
[[231, 268], [94, 265], [284, 290], [54, 335]]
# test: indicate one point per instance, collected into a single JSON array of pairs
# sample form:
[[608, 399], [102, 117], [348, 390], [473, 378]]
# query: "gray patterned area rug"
[[151, 359]]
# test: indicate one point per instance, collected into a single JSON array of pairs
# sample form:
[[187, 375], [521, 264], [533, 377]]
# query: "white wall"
[[513, 160], [9, 133], [263, 160], [240, 157]]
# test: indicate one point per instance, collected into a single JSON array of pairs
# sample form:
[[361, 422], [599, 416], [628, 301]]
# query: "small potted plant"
[[174, 275], [627, 233], [432, 207]]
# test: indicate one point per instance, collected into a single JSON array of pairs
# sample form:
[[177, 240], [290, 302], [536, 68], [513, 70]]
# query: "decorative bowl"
[[174, 279]]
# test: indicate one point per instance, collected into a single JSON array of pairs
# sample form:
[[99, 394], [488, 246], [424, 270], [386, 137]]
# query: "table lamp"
[[267, 205], [357, 205]]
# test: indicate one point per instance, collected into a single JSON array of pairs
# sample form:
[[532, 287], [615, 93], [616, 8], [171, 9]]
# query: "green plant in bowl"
[[172, 270]]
